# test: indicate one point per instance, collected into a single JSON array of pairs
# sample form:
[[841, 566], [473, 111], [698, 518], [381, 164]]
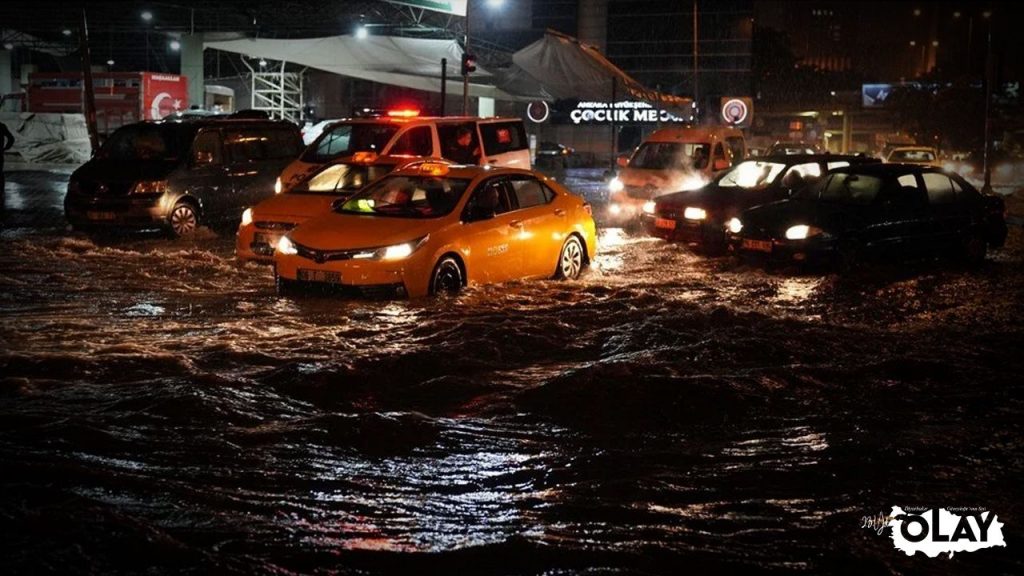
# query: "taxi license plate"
[[100, 215], [665, 223], [757, 245], [319, 276]]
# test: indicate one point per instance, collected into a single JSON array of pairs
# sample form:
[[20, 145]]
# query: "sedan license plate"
[[757, 245], [100, 215], [665, 223], [319, 276]]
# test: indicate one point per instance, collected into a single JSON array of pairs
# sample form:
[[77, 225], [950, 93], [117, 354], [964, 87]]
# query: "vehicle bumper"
[[255, 242], [121, 212], [811, 250], [692, 232], [409, 277]]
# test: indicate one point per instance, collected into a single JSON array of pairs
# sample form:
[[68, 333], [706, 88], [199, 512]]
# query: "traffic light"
[[468, 64]]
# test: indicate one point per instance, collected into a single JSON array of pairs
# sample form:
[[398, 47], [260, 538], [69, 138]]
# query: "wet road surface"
[[163, 410]]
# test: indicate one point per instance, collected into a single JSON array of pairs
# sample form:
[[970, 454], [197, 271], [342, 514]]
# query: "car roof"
[[890, 169], [470, 172], [807, 158]]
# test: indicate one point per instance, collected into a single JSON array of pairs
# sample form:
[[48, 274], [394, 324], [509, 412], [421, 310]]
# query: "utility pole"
[[989, 73], [444, 84], [465, 76], [89, 95], [696, 64]]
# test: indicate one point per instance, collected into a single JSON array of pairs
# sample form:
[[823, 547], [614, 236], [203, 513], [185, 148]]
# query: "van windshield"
[[347, 138], [148, 142], [671, 156], [342, 178]]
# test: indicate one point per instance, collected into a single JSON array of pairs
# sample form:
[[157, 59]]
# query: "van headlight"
[[802, 232], [278, 187], [615, 185], [650, 207], [734, 225], [692, 213], [286, 246], [247, 217]]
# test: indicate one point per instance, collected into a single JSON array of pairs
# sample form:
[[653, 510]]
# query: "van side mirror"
[[622, 160], [720, 164]]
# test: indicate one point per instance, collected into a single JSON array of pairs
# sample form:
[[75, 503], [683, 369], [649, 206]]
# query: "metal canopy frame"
[[277, 91]]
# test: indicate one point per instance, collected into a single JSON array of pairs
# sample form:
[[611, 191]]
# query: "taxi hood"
[[333, 231], [291, 205]]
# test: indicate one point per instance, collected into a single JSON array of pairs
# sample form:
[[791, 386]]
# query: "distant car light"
[[614, 209], [692, 213], [247, 217], [616, 185], [650, 207], [278, 187]]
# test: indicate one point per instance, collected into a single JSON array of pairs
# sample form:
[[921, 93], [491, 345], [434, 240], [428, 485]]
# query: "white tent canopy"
[[555, 67]]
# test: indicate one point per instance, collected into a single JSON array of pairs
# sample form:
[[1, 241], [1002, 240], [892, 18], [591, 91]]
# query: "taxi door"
[[544, 224], [491, 234]]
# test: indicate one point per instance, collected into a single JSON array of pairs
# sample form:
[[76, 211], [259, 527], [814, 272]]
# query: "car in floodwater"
[[264, 224], [435, 228], [858, 213], [176, 175], [699, 217]]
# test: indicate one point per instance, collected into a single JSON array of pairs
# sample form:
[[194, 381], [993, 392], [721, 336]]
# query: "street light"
[[362, 32], [147, 16], [66, 32], [175, 45]]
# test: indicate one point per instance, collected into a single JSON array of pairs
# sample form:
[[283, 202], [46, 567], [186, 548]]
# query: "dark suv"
[[175, 174]]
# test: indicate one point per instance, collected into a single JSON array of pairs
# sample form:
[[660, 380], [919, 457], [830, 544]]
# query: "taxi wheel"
[[570, 262], [447, 277], [184, 220]]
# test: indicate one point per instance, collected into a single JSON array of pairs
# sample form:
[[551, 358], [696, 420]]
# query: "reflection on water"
[[161, 406]]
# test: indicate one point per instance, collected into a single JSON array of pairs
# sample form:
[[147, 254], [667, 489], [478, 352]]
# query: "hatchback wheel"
[[447, 277], [184, 219], [570, 262]]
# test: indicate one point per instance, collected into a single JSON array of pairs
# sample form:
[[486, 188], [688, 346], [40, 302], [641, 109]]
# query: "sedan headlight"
[[278, 187], [150, 187], [692, 213], [247, 217], [650, 207], [802, 231], [286, 246], [734, 225], [615, 185]]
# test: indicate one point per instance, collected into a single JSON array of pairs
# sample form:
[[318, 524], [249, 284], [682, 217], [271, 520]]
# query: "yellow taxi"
[[435, 228], [265, 223]]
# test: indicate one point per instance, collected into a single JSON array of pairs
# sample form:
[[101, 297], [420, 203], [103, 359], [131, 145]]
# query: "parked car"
[[922, 155], [435, 228], [784, 147], [699, 217], [176, 175], [553, 154], [670, 160], [263, 225], [876, 211]]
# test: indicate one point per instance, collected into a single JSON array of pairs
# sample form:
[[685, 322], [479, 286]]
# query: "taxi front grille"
[[321, 256]]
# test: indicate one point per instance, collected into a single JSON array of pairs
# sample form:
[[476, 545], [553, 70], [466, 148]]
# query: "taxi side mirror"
[[622, 160], [720, 164]]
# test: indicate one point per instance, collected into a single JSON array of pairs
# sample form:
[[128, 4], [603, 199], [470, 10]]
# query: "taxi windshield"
[[751, 174], [347, 138], [405, 196], [343, 178]]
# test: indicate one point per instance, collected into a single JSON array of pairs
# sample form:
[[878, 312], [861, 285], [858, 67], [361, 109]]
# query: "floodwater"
[[162, 410]]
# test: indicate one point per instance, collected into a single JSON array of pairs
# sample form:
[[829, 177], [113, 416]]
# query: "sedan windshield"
[[152, 142], [751, 174], [347, 138], [407, 197], [343, 178]]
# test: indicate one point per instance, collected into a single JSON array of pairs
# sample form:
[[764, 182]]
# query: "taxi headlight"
[[278, 187], [692, 213], [247, 217], [734, 225], [400, 251], [615, 185], [286, 246], [802, 231], [650, 207]]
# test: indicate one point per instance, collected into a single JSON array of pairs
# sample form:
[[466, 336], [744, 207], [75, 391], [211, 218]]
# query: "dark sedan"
[[857, 213], [702, 217]]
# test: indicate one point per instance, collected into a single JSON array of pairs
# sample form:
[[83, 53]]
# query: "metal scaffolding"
[[277, 92]]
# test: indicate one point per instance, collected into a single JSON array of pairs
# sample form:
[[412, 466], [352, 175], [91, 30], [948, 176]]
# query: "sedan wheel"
[[447, 277], [184, 220], [570, 263]]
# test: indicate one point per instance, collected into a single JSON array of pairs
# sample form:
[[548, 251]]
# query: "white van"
[[501, 141]]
